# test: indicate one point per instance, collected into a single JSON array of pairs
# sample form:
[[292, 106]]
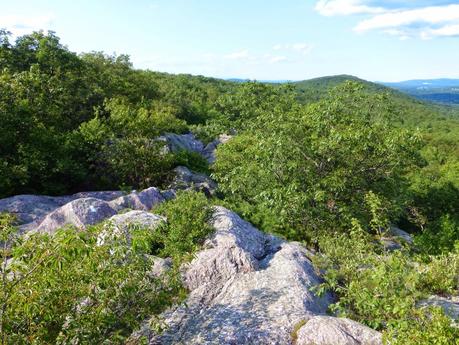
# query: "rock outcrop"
[[79, 210], [401, 235], [450, 305], [122, 224], [395, 239], [188, 142], [186, 179], [209, 151], [30, 208], [246, 287], [78, 213], [182, 142], [144, 200], [328, 330]]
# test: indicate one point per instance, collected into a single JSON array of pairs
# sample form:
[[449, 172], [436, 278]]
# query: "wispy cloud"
[[238, 55], [277, 59], [405, 20], [246, 56], [446, 30], [345, 7], [20, 25], [301, 48]]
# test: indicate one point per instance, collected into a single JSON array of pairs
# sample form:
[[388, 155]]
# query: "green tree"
[[310, 168]]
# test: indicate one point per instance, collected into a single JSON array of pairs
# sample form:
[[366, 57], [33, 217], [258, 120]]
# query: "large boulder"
[[122, 225], [47, 214], [232, 231], [135, 219], [32, 208], [245, 288], [144, 200], [186, 179], [396, 239], [28, 208], [328, 330], [79, 213], [401, 235], [181, 142], [209, 151], [188, 142], [102, 195], [450, 305], [160, 266]]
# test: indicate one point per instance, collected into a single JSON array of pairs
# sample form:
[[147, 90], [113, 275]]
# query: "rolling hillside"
[[443, 91]]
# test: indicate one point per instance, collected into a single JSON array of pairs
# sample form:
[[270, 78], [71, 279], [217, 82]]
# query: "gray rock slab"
[[144, 200], [179, 142], [328, 330], [450, 305], [79, 213], [30, 208], [246, 288]]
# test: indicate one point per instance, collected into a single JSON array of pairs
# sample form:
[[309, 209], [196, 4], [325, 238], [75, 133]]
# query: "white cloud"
[[401, 34], [403, 21], [239, 55], [345, 7], [444, 31], [403, 18], [21, 25], [277, 59], [302, 48]]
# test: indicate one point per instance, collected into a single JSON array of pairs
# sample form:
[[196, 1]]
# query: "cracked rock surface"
[[46, 214], [328, 330], [246, 287]]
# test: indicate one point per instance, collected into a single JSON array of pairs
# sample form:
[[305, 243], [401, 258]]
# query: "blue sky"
[[259, 39]]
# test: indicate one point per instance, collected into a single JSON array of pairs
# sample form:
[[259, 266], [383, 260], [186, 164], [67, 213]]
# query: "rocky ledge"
[[247, 287]]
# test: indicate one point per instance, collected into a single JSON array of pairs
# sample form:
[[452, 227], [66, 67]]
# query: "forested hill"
[[443, 91], [317, 88], [411, 111]]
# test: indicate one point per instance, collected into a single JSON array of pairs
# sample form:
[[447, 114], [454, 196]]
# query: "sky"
[[376, 40]]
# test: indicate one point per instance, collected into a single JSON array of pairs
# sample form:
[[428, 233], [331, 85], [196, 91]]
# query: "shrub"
[[68, 289], [427, 327], [137, 161], [381, 289], [187, 224], [193, 160], [440, 235]]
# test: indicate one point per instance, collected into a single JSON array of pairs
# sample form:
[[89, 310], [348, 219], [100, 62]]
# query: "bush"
[[381, 289], [187, 224], [440, 235], [193, 160], [68, 289], [427, 327], [137, 162]]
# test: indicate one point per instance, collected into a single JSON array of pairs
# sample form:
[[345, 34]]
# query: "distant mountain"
[[445, 91], [315, 89], [424, 84], [439, 91], [422, 108], [241, 80]]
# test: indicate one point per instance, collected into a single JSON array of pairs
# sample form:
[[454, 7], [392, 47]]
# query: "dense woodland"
[[331, 162]]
